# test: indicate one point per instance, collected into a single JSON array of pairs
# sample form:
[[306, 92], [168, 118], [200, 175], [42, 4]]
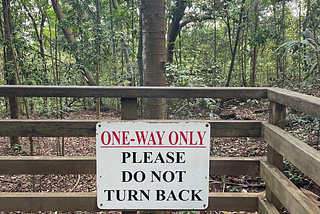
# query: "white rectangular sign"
[[144, 165]]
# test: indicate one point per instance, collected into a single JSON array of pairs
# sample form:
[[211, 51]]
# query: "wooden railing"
[[280, 190]]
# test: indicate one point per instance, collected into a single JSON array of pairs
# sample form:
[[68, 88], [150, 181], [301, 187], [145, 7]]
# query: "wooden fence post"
[[129, 109], [129, 112], [277, 116]]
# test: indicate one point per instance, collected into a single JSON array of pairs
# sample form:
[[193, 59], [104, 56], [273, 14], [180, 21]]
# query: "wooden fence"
[[279, 190]]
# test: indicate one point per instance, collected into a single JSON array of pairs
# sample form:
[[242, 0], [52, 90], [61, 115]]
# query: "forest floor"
[[85, 146]]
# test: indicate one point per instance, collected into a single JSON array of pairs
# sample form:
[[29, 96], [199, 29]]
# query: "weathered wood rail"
[[280, 144]]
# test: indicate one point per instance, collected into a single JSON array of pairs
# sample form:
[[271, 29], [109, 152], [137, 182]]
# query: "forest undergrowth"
[[303, 127]]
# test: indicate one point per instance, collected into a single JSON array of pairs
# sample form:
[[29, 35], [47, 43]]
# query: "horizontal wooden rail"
[[298, 101], [289, 195], [235, 128], [87, 165], [304, 157], [301, 102], [220, 201], [132, 92], [235, 165], [48, 202], [87, 201], [86, 128], [42, 165]]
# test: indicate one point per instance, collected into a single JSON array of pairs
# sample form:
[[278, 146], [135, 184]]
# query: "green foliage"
[[202, 53], [266, 2], [3, 107], [293, 173], [308, 48], [260, 37]]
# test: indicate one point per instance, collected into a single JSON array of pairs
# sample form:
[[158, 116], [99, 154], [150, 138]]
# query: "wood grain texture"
[[48, 128], [289, 195], [234, 166], [264, 207], [129, 108], [219, 201], [41, 165], [132, 92], [235, 128], [48, 202], [277, 116], [86, 128], [87, 201], [87, 165], [304, 157], [301, 102]]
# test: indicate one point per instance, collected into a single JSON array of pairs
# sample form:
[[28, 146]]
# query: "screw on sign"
[[152, 165]]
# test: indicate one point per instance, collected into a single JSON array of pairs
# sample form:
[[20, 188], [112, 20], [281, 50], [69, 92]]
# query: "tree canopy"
[[208, 43]]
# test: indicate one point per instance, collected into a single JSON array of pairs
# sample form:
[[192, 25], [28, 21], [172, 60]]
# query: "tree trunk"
[[38, 34], [98, 22], [235, 44], [70, 38], [255, 49], [139, 55], [243, 59], [283, 30], [124, 45], [174, 27], [215, 46], [9, 66], [315, 39], [153, 55], [299, 52], [114, 68]]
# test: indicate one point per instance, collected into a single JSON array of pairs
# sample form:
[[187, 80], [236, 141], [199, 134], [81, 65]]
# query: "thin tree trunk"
[[70, 38], [133, 44], [139, 55], [215, 45], [44, 12], [229, 32], [3, 36], [98, 53], [54, 66], [315, 39], [124, 44], [255, 49], [113, 41], [24, 99], [174, 27], [245, 58], [236, 44], [242, 61], [38, 34], [299, 52], [283, 29], [9, 67], [180, 46]]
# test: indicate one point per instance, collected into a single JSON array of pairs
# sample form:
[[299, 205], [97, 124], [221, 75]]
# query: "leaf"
[[312, 67], [265, 3], [288, 44], [306, 42], [279, 47], [310, 72], [273, 2]]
